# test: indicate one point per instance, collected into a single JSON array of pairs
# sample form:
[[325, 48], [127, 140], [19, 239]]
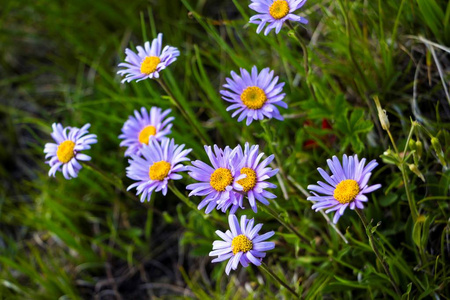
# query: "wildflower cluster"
[[233, 177]]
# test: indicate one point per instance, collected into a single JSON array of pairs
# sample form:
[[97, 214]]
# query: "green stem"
[[269, 141], [411, 203], [117, 183], [280, 281], [375, 250], [111, 178], [299, 39], [289, 227], [281, 175], [183, 111], [181, 196], [268, 209], [393, 142], [296, 185], [189, 203], [411, 132]]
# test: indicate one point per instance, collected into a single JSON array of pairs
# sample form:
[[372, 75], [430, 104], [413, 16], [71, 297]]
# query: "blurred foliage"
[[86, 238]]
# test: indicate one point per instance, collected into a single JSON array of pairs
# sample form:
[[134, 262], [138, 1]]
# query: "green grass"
[[86, 238]]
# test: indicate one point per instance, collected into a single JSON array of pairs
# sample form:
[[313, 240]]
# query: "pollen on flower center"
[[346, 191], [241, 243], [279, 9], [220, 179], [145, 134], [159, 170], [150, 64], [249, 182], [253, 97], [65, 151]]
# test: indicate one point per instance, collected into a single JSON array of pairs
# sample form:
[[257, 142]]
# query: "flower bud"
[[436, 145], [438, 148], [416, 171], [412, 144], [388, 152], [382, 115], [419, 148], [390, 157]]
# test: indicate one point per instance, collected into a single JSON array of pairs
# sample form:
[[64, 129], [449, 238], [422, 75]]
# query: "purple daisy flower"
[[275, 13], [159, 163], [242, 244], [217, 183], [148, 62], [65, 154], [254, 185], [254, 95], [144, 127], [346, 187]]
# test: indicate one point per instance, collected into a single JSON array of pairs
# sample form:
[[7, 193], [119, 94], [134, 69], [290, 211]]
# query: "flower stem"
[[299, 39], [111, 178], [269, 140], [401, 166], [412, 204], [375, 249], [183, 112], [289, 227], [181, 196], [118, 183], [189, 203], [280, 281], [268, 209], [392, 141], [306, 194]]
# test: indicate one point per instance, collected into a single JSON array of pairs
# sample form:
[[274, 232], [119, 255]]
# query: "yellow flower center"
[[279, 9], [241, 243], [346, 191], [220, 179], [149, 64], [248, 182], [145, 134], [253, 97], [159, 170], [65, 151]]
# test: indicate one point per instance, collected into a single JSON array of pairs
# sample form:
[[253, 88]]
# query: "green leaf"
[[388, 200], [417, 230], [167, 217], [405, 296], [433, 16]]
